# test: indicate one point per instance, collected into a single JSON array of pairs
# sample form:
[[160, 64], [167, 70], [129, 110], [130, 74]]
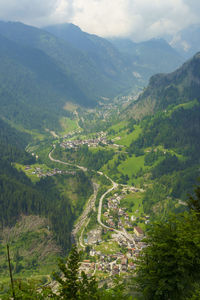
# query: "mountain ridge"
[[182, 85]]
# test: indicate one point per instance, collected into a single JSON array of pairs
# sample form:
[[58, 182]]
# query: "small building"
[[138, 232], [124, 261]]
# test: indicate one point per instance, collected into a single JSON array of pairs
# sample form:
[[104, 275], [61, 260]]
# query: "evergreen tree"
[[73, 286], [194, 202], [169, 266]]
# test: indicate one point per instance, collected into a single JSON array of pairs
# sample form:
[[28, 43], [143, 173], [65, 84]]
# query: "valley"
[[113, 222], [112, 242], [88, 154]]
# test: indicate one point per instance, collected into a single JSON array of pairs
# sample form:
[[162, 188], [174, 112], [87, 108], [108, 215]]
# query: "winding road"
[[64, 163], [92, 199]]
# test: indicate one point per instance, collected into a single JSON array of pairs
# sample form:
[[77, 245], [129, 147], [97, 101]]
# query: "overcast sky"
[[137, 19]]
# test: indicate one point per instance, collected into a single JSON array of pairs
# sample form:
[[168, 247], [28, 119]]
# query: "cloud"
[[30, 12], [137, 19]]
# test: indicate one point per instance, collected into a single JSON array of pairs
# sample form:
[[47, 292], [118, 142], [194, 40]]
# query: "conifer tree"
[[194, 201], [169, 266], [72, 285]]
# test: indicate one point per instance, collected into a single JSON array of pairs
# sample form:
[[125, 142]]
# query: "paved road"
[[64, 163], [86, 211], [114, 186]]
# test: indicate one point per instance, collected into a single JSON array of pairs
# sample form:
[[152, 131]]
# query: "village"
[[44, 172], [124, 246], [93, 142]]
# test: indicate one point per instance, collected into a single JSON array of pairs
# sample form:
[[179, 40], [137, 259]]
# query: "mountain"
[[168, 142], [43, 69], [149, 57], [92, 77], [173, 89], [186, 42], [33, 88], [102, 54], [145, 59]]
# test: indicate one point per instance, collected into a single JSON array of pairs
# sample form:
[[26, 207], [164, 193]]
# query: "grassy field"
[[29, 170], [134, 204], [121, 136], [119, 126], [132, 165], [109, 247], [68, 125], [187, 105], [127, 138]]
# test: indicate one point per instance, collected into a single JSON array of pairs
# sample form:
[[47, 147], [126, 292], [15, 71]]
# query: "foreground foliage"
[[169, 267], [69, 284]]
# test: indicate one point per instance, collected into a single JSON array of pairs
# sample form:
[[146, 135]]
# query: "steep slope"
[[82, 68], [175, 88], [163, 143], [33, 89], [149, 57], [103, 55], [33, 249], [62, 195]]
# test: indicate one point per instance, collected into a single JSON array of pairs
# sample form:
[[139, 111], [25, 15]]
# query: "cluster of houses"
[[130, 242], [119, 262], [44, 173], [89, 142], [113, 206], [113, 264]]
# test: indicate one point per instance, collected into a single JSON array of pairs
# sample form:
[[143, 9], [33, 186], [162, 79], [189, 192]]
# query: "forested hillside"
[[20, 196], [173, 89], [33, 89], [102, 54], [87, 72], [169, 138], [145, 58]]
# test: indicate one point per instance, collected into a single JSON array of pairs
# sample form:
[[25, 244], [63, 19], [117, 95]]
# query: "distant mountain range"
[[93, 75], [149, 57], [145, 59], [42, 69]]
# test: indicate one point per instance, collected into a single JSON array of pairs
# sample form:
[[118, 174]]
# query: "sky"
[[137, 19]]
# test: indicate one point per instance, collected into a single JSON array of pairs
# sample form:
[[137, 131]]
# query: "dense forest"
[[20, 196], [93, 160]]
